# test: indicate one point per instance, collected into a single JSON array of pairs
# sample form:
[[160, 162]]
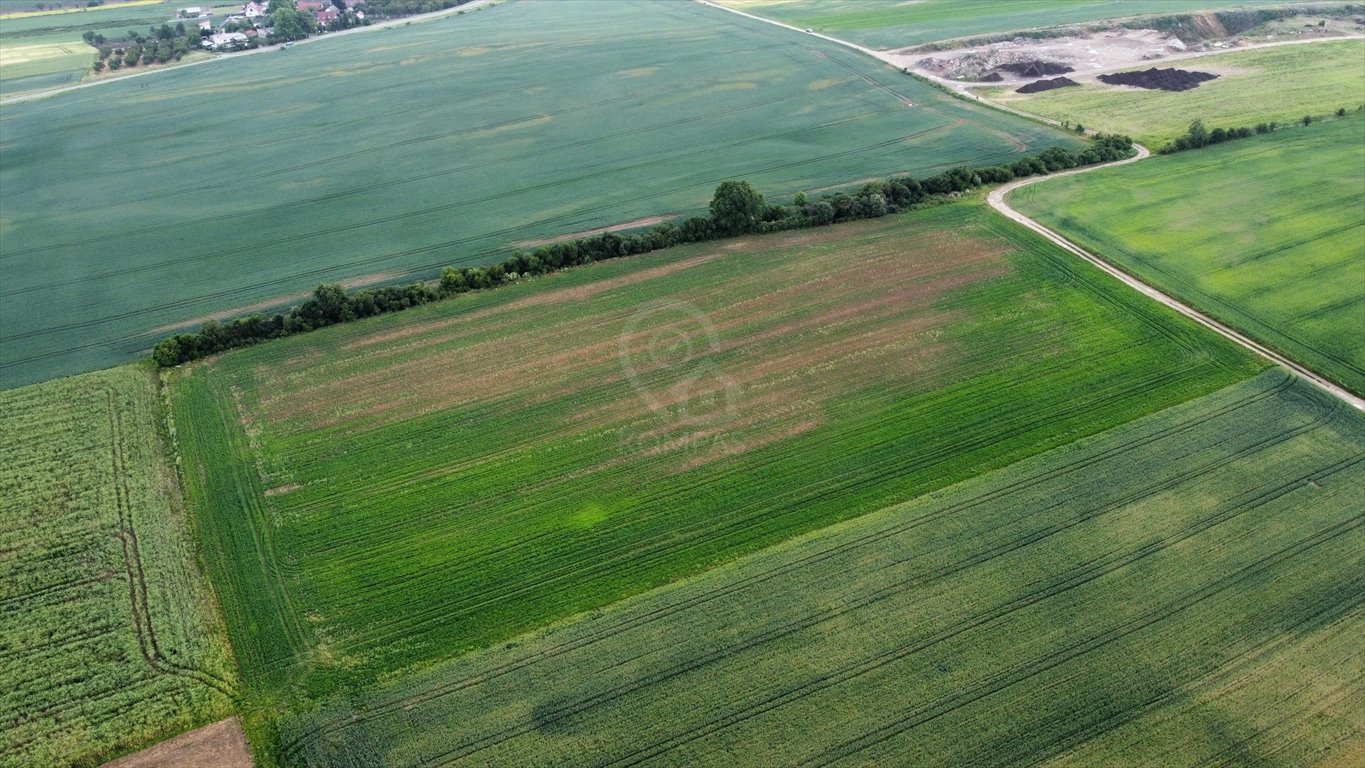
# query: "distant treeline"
[[1197, 135], [392, 8], [735, 209]]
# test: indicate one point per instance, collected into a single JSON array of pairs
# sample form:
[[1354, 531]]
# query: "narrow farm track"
[[997, 201]]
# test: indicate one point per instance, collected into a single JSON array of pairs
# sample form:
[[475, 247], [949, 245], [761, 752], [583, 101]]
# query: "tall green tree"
[[736, 207]]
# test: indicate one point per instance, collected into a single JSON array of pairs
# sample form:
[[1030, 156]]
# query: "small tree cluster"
[[736, 208], [164, 44]]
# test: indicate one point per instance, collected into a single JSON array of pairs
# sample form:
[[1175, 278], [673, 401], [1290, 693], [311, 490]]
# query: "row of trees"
[[1197, 135], [735, 209]]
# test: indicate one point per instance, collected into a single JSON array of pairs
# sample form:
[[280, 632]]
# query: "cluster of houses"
[[239, 29]]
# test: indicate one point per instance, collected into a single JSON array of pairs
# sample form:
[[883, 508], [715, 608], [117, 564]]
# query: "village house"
[[225, 41], [254, 10], [328, 15]]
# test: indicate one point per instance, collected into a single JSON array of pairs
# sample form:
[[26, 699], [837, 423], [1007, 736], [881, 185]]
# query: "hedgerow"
[[736, 209]]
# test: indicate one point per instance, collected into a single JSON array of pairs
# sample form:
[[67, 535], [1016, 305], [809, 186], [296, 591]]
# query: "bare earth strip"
[[218, 745], [648, 221]]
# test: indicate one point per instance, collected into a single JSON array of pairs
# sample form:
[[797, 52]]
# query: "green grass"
[[884, 24], [391, 492], [110, 640], [1250, 89], [1266, 234], [37, 62], [139, 206], [1179, 591]]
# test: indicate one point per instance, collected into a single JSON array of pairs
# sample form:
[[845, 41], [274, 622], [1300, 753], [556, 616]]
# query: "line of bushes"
[[1197, 135], [735, 209]]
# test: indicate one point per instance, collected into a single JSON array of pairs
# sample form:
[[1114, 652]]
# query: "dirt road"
[[219, 745], [997, 201]]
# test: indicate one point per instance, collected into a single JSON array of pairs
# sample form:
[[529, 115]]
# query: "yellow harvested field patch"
[[820, 85], [24, 54], [58, 11]]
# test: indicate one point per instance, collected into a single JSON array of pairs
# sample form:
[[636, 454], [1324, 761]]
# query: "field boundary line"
[[996, 199], [140, 601]]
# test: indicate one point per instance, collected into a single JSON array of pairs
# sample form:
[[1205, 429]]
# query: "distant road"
[[43, 94], [996, 198]]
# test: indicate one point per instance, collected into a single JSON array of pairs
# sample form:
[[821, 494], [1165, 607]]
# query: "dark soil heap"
[[993, 77], [1159, 79], [1038, 86], [1036, 68]]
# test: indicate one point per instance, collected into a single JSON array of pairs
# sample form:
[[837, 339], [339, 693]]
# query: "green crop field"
[[110, 639], [1183, 590], [1250, 89], [1265, 233], [42, 62], [390, 492], [885, 24], [140, 206]]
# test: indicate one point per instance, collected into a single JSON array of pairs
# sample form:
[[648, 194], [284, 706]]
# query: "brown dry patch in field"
[[441, 378], [789, 330], [647, 221], [220, 745], [280, 490], [773, 381], [557, 296], [638, 72]]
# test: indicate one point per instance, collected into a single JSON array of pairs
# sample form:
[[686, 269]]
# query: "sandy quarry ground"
[[219, 745], [1093, 53]]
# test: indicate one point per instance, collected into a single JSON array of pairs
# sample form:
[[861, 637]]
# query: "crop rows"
[[110, 639], [958, 625], [505, 152], [1291, 275], [428, 484]]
